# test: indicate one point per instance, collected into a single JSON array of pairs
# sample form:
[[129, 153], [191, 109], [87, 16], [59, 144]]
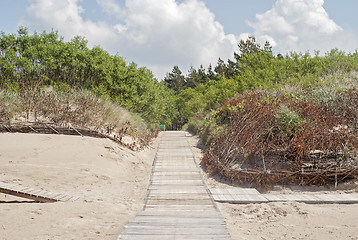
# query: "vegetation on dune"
[[265, 118], [285, 137], [76, 108], [270, 119], [44, 78], [32, 61], [255, 67]]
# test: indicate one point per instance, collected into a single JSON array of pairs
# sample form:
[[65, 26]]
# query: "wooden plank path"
[[251, 195], [34, 194], [178, 204]]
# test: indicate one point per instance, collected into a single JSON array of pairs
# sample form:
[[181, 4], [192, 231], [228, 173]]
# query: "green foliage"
[[29, 61], [254, 68], [192, 127], [175, 79], [211, 132], [289, 121], [45, 59]]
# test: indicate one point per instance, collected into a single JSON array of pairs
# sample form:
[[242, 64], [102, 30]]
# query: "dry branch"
[[319, 148]]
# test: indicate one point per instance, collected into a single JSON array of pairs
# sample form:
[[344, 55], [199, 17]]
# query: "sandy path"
[[289, 220], [111, 179]]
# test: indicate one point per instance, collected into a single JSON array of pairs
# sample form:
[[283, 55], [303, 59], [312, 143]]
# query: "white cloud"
[[162, 33], [301, 25], [65, 16], [155, 33], [111, 8]]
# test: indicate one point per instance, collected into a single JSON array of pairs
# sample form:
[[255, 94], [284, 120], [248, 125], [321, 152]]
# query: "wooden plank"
[[149, 230], [74, 199], [178, 177], [174, 165], [167, 196], [198, 202], [195, 220], [19, 188], [158, 192], [173, 152], [9, 186], [337, 198], [180, 207], [178, 204], [42, 193], [213, 223], [245, 199], [50, 194], [245, 191], [181, 214], [33, 191], [195, 228], [170, 146], [176, 169], [65, 198], [180, 195], [173, 236], [304, 198], [25, 195], [30, 193], [177, 188], [61, 196], [186, 173], [177, 182]]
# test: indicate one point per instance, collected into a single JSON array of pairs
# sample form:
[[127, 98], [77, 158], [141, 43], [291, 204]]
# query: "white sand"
[[112, 181], [289, 220]]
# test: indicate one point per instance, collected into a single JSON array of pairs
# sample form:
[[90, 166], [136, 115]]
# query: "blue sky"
[[162, 33]]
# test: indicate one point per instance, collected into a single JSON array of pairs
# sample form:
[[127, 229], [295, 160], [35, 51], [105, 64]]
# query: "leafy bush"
[[289, 121], [256, 68], [30, 61]]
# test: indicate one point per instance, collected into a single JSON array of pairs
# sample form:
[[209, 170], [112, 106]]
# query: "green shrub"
[[289, 121], [211, 131]]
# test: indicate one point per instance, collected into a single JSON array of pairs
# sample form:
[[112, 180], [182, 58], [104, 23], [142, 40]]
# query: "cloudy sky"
[[159, 34]]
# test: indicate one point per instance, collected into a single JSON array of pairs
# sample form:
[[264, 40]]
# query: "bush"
[[288, 121], [283, 137]]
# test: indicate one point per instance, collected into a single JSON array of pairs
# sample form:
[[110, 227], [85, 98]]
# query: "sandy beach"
[[112, 183]]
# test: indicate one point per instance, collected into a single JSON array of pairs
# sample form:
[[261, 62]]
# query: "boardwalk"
[[251, 195], [34, 194], [178, 204]]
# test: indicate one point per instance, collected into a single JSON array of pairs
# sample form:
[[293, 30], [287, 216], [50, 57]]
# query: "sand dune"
[[112, 181]]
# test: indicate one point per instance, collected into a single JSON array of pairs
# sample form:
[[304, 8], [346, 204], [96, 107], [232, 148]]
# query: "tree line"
[[42, 59], [254, 67]]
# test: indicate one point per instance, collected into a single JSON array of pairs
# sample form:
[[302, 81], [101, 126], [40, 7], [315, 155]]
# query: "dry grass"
[[79, 108]]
